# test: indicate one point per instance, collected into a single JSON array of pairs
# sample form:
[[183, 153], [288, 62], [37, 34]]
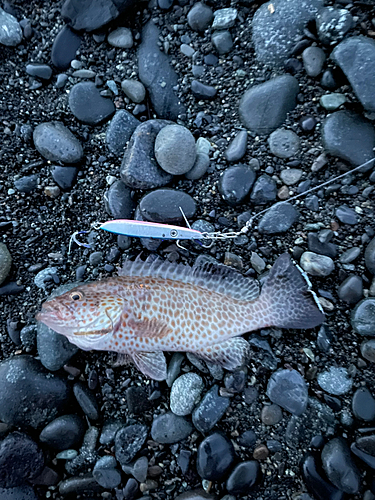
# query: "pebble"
[[365, 457], [368, 350], [157, 75], [105, 472], [128, 441], [350, 255], [215, 457], [279, 219], [313, 60], [5, 262], [333, 24], [222, 41], [95, 258], [235, 381], [57, 143], [139, 168], [170, 428], [264, 190], [247, 439], [307, 123], [88, 105], [316, 265], [18, 492], [86, 400], [163, 205], [121, 38], [283, 26], [351, 289], [198, 494], [263, 108], [82, 18], [284, 143], [224, 18], [202, 91], [210, 410], [118, 201], [64, 48], [235, 184], [335, 381], [342, 130], [54, 349], [21, 460], [175, 149], [340, 467], [291, 176], [120, 130], [187, 50], [271, 414], [287, 389], [261, 452], [244, 478], [200, 167], [61, 80], [346, 215], [363, 317], [77, 484], [370, 256], [174, 365], [237, 148], [137, 399], [315, 480], [199, 17], [10, 30], [109, 431], [185, 393], [331, 102], [64, 176], [63, 433], [39, 70], [203, 146], [134, 89], [363, 405], [366, 444]]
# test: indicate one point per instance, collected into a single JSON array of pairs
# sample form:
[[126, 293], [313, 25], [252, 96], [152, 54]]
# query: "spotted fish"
[[155, 306]]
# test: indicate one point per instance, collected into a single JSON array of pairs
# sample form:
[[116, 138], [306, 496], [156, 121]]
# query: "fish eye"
[[76, 296]]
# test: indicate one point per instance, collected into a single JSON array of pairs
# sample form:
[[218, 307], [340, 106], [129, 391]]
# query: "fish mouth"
[[50, 312]]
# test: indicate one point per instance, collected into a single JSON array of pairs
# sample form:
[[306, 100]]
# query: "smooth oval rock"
[[163, 205], [278, 219], [118, 201], [134, 89], [203, 91], [88, 106], [64, 48], [235, 183], [284, 143], [287, 389], [335, 381], [339, 466], [64, 176], [64, 432], [5, 262], [316, 265], [121, 38], [363, 317], [363, 405], [368, 350], [313, 60], [86, 400], [175, 149], [200, 16], [237, 147], [170, 428], [57, 143], [244, 478], [264, 190], [200, 167], [215, 457], [351, 289], [370, 256], [315, 480], [185, 393]]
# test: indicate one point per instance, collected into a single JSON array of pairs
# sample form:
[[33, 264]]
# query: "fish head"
[[87, 310]]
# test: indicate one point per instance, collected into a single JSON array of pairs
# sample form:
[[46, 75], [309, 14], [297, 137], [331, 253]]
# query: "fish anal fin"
[[230, 354], [151, 364], [151, 328]]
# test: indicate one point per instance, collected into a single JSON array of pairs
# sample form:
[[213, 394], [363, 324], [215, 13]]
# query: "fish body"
[[156, 306]]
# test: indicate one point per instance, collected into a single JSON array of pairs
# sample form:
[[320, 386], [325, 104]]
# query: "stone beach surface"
[[128, 109]]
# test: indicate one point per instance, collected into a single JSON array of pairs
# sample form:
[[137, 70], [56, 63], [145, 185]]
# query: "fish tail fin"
[[288, 297]]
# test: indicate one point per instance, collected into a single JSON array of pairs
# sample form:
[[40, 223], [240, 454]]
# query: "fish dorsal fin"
[[218, 278]]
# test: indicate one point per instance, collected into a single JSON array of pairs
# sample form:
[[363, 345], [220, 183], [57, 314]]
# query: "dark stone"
[[370, 256], [351, 289], [237, 148], [197, 494], [328, 80], [26, 184], [235, 381], [79, 484], [346, 215], [264, 190], [56, 143], [278, 219], [139, 168], [215, 457], [86, 400], [54, 349], [363, 317], [210, 410], [308, 123], [363, 405], [18, 493], [21, 460], [39, 70], [170, 428], [200, 17], [120, 130], [210, 60], [316, 246], [202, 91], [332, 24], [64, 48], [222, 41], [137, 400], [366, 444], [315, 481], [365, 457], [157, 75], [244, 478], [30, 396], [64, 176], [64, 432], [247, 439], [235, 183], [118, 201], [288, 389], [128, 441], [163, 205], [339, 466], [88, 106]]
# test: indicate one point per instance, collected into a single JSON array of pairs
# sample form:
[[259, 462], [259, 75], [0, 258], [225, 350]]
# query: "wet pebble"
[[109, 431], [247, 439], [86, 400], [291, 176], [57, 143], [137, 399], [335, 381], [121, 38], [332, 24], [5, 262], [128, 441], [366, 444], [370, 256], [244, 478], [331, 102], [200, 167], [88, 105], [202, 91], [200, 17], [278, 219], [368, 350], [237, 147], [271, 414], [185, 393], [215, 457], [287, 389], [64, 48], [316, 265], [315, 480], [340, 467], [54, 349], [118, 201], [163, 205], [134, 89], [105, 472], [363, 405], [235, 183], [170, 428], [350, 255], [175, 363], [264, 190], [313, 60], [351, 289], [235, 381], [222, 41], [41, 71], [198, 494], [64, 176], [64, 432], [210, 410], [95, 258], [284, 143], [120, 130], [346, 215], [27, 183], [175, 149], [363, 317]]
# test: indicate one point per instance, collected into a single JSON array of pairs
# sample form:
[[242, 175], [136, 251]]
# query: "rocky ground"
[[117, 111]]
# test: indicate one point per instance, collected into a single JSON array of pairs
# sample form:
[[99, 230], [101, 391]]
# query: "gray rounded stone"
[[284, 143], [363, 317], [5, 262], [370, 256], [170, 428], [200, 167], [335, 381], [271, 414], [57, 143], [185, 393], [339, 466], [121, 38], [331, 102], [120, 130], [368, 350], [134, 89], [222, 41], [332, 24], [278, 219], [88, 105], [351, 289], [175, 149], [237, 148], [313, 60], [291, 176], [288, 389], [316, 265], [224, 18], [199, 17]]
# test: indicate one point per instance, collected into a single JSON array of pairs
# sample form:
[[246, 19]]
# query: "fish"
[[154, 306]]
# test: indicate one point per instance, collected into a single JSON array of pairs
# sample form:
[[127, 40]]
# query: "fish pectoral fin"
[[151, 364], [230, 354], [122, 359], [151, 328]]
